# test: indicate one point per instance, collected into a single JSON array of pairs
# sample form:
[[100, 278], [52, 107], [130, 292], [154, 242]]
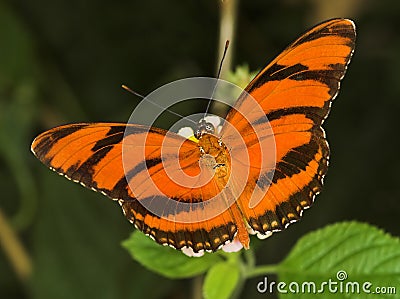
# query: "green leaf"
[[348, 254], [165, 260], [241, 76], [221, 281]]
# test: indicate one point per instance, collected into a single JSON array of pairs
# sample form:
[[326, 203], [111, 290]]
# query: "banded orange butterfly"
[[294, 92]]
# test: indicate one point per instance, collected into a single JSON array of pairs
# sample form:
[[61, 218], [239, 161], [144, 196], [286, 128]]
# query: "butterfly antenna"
[[218, 74], [131, 91], [155, 104]]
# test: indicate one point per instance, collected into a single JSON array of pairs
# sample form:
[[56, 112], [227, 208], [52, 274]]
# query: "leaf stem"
[[197, 287], [250, 258], [261, 270], [14, 249], [228, 20]]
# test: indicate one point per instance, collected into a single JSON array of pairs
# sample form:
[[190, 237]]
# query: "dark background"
[[64, 61]]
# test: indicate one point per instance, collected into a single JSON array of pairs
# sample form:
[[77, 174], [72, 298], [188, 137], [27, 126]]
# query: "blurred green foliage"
[[64, 61]]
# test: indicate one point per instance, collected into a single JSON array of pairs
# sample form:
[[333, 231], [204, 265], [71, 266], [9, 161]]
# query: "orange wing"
[[294, 92], [92, 155]]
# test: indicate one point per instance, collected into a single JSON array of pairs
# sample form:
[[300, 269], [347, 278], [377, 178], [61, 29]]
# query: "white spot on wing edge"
[[264, 236], [190, 252]]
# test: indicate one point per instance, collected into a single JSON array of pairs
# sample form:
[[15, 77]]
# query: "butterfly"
[[178, 208]]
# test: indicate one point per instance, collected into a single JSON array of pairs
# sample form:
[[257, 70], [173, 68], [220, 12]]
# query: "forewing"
[[294, 92], [125, 165]]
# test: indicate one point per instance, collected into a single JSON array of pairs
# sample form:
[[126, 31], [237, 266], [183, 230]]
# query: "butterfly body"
[[210, 145], [256, 176]]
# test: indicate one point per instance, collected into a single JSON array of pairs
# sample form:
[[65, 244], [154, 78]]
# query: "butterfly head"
[[204, 127]]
